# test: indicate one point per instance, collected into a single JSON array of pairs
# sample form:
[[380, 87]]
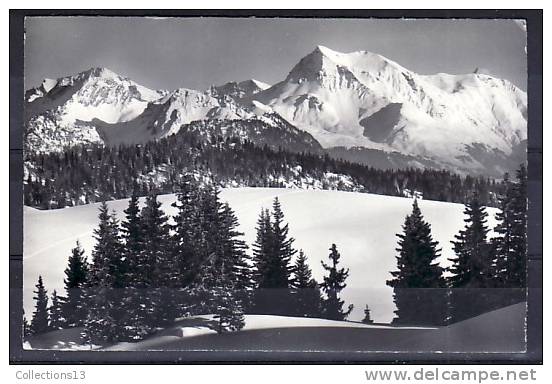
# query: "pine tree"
[[157, 265], [283, 246], [472, 267], [103, 323], [503, 251], [56, 315], [74, 306], [418, 284], [40, 321], [367, 317], [26, 328], [510, 246], [333, 284], [518, 261], [262, 247], [273, 251], [185, 228], [234, 254], [218, 290], [132, 236], [305, 289], [136, 317]]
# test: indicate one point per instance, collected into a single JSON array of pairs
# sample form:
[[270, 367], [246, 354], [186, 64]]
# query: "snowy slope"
[[366, 100], [362, 225]]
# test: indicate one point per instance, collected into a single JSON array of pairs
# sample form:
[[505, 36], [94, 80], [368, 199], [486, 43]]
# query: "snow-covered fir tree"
[[472, 266], [262, 247], [307, 297], [26, 327], [185, 230], [234, 248], [367, 316], [136, 319], [40, 321], [74, 307], [502, 245], [219, 291], [56, 314], [333, 284], [517, 276], [418, 283], [510, 246], [132, 235], [158, 268], [472, 263], [273, 250], [103, 323]]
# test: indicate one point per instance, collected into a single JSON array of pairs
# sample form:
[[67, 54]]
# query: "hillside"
[[362, 225]]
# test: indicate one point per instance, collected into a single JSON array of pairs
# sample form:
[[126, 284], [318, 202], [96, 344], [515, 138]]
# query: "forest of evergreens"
[[93, 173]]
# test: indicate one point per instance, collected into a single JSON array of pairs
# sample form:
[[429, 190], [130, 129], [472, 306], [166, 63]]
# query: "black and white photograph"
[[254, 184]]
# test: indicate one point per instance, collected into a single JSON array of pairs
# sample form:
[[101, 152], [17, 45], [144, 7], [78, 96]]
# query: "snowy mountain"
[[56, 112], [99, 106], [361, 99], [165, 116], [360, 106]]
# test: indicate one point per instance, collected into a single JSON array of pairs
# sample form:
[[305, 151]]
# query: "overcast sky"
[[198, 52]]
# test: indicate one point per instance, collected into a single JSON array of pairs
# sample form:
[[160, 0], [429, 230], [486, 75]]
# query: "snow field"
[[363, 226]]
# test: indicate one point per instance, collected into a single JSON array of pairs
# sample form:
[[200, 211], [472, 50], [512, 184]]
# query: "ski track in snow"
[[363, 226]]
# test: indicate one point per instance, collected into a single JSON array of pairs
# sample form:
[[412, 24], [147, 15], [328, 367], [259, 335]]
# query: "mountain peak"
[[254, 83], [323, 60], [324, 50], [245, 88], [101, 72]]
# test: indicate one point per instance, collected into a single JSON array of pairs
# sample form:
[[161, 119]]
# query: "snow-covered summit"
[[324, 61], [95, 93], [56, 110]]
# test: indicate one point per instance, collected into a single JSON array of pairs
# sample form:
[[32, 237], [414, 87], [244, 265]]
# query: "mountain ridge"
[[343, 100]]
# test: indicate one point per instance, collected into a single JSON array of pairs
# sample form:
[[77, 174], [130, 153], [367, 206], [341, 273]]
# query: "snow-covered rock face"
[[362, 99], [66, 103], [99, 106], [240, 90], [166, 116]]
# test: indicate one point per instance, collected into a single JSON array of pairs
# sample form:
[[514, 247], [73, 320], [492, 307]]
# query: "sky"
[[170, 53]]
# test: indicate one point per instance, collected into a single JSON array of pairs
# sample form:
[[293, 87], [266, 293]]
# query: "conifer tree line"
[[150, 269], [93, 173], [485, 273]]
